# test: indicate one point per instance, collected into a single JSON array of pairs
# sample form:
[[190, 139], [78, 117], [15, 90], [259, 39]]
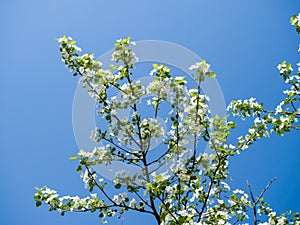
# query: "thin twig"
[[265, 189], [256, 201]]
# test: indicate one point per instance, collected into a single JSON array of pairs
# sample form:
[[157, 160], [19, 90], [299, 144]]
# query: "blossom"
[[278, 109], [226, 186], [124, 53], [193, 179], [238, 191], [296, 20], [132, 203], [281, 68], [195, 66]]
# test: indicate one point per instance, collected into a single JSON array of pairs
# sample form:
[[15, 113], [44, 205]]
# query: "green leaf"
[[118, 186], [40, 189], [148, 186], [79, 169], [74, 157], [38, 203], [159, 178], [36, 197], [211, 74], [231, 124]]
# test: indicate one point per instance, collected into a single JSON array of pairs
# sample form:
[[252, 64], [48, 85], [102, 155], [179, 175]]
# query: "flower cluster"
[[295, 21], [194, 189], [123, 52], [78, 65], [246, 108], [65, 204], [201, 70]]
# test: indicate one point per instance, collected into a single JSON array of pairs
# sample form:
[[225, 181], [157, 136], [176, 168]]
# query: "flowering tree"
[[194, 189]]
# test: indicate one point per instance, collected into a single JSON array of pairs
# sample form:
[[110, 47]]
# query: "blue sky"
[[243, 41]]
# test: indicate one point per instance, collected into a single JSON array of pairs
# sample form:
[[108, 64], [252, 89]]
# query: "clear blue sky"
[[243, 41]]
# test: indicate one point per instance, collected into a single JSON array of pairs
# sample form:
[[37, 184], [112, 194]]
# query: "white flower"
[[278, 109], [231, 202], [226, 186], [251, 100], [296, 21], [221, 222], [132, 203], [94, 195], [116, 199], [152, 72], [281, 68], [195, 66], [238, 191], [231, 146], [244, 198], [257, 120], [251, 131], [85, 178], [182, 213], [220, 201], [272, 214]]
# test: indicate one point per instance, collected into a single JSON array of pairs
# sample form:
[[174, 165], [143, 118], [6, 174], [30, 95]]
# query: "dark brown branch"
[[212, 179], [112, 201]]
